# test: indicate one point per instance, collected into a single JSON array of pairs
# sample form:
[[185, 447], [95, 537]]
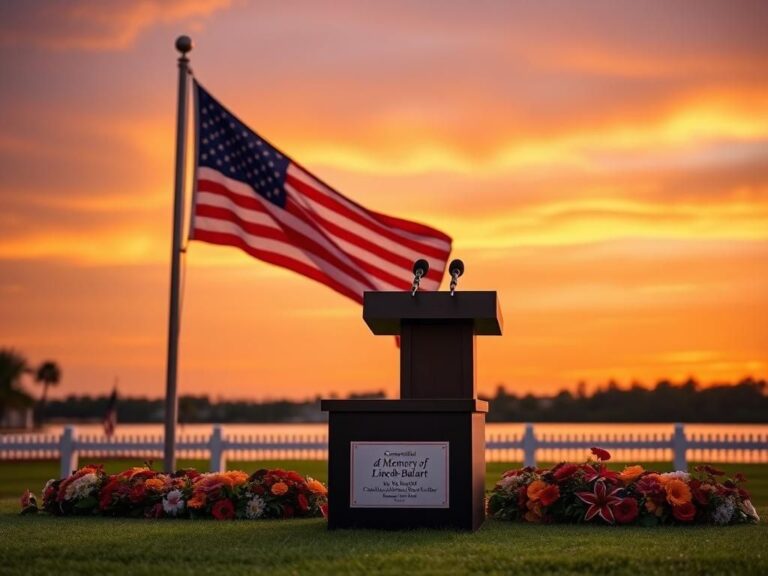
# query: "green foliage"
[[48, 373], [13, 366]]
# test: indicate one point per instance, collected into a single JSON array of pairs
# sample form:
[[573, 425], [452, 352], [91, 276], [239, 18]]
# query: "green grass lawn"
[[49, 545]]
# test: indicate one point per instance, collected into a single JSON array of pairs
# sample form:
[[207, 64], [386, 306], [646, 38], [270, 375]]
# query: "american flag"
[[110, 415], [250, 195]]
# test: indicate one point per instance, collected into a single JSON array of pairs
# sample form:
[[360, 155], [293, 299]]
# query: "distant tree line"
[[193, 409], [745, 401]]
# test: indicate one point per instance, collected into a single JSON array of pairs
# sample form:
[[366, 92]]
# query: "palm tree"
[[12, 367], [49, 374]]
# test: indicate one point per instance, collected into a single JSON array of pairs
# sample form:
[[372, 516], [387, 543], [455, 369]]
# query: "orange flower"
[[549, 495], [534, 511], [279, 488], [316, 487], [236, 477], [197, 501], [535, 489], [678, 492], [154, 484], [631, 473]]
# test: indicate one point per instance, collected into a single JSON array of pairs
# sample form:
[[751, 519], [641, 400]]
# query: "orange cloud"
[[97, 25]]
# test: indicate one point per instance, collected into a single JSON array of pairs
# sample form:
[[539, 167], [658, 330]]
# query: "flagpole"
[[183, 45]]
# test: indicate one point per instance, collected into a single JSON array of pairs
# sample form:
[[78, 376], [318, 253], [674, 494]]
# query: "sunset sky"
[[602, 165]]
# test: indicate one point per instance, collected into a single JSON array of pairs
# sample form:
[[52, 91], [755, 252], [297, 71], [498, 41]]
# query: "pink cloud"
[[89, 25]]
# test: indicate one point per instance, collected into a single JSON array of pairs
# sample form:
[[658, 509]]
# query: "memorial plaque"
[[399, 475]]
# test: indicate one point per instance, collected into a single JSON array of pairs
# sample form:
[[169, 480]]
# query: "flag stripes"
[[250, 196]]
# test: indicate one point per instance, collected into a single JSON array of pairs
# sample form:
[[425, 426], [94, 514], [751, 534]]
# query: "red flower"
[[600, 502], [743, 494], [155, 511], [699, 495], [257, 489], [649, 485], [137, 493], [223, 510], [288, 511], [303, 503], [564, 471], [324, 510], [625, 511], [28, 499], [295, 476], [49, 492], [600, 473], [684, 512], [549, 495], [600, 453], [712, 470]]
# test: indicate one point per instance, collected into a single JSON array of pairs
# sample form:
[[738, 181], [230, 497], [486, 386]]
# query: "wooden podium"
[[418, 461]]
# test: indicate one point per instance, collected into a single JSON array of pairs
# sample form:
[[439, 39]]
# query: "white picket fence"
[[69, 447]]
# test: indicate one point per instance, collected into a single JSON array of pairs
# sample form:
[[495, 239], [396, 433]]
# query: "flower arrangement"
[[143, 492], [589, 492]]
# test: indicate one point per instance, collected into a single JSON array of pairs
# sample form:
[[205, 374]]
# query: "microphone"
[[456, 268], [420, 268]]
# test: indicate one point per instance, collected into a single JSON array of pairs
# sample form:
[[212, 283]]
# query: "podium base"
[[411, 463]]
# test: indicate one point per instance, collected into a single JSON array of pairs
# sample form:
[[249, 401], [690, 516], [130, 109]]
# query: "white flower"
[[48, 485], [255, 508], [81, 487], [678, 475], [509, 482], [748, 509], [724, 512], [173, 503]]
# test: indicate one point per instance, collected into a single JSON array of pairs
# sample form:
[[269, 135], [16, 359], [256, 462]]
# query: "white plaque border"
[[443, 505]]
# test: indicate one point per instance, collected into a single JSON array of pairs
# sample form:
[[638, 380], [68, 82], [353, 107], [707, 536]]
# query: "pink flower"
[[600, 502]]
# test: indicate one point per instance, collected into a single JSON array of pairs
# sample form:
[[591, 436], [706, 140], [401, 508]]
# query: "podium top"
[[384, 312]]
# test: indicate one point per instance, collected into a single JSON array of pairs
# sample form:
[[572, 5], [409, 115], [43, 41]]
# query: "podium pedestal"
[[418, 461]]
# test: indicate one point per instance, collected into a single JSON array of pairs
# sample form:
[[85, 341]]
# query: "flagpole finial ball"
[[183, 44]]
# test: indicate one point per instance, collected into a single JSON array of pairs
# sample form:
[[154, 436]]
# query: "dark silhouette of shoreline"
[[742, 402]]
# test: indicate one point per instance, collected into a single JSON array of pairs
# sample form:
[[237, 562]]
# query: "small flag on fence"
[[250, 195], [110, 416]]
